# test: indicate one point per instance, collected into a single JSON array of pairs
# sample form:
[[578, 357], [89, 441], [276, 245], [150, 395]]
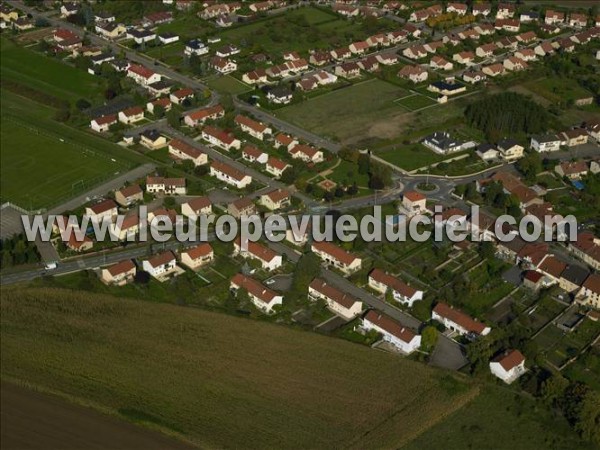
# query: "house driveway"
[[448, 354]]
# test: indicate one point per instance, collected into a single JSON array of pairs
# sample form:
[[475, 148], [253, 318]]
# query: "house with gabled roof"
[[306, 153], [119, 274], [261, 296], [276, 166], [339, 302], [276, 199], [103, 123], [129, 195], [198, 256], [392, 331], [197, 207], [195, 118], [508, 366], [337, 257], [458, 321], [220, 138], [161, 265], [255, 129], [382, 282], [253, 154], [241, 207], [230, 175], [183, 151], [589, 294], [166, 186], [416, 74], [131, 115], [268, 259], [285, 140]]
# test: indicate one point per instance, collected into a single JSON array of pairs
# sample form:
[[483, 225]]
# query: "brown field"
[[217, 380]]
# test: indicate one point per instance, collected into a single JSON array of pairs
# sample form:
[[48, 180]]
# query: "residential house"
[[511, 25], [401, 292], [181, 95], [131, 115], [268, 259], [159, 266], [280, 95], [387, 59], [167, 186], [546, 143], [163, 103], [253, 154], [415, 52], [195, 118], [79, 245], [220, 138], [241, 207], [167, 38], [105, 209], [129, 195], [348, 70], [255, 129], [223, 65], [319, 58], [285, 140], [473, 76], [358, 48], [369, 64], [69, 9], [152, 139], [443, 143], [306, 153], [256, 76], [526, 54], [481, 9], [276, 166], [486, 50], [587, 249], [103, 123], [554, 17], [339, 302], [337, 257], [197, 207], [506, 10], [589, 294], [183, 151], [110, 30], [198, 256], [578, 20], [119, 274], [142, 75], [458, 321], [227, 50], [458, 8], [141, 36], [276, 199], [392, 331], [230, 175], [508, 366], [195, 47], [575, 137], [437, 62], [574, 170], [416, 74], [414, 203], [529, 16], [465, 58], [514, 64], [261, 296]]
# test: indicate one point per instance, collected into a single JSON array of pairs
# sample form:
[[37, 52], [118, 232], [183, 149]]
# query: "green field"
[[411, 157], [346, 173], [46, 74], [44, 161], [228, 85], [363, 110], [558, 89], [217, 380], [414, 102], [500, 419]]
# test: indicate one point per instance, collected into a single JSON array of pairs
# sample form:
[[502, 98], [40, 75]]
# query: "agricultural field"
[[44, 161], [216, 380], [23, 65], [557, 89], [360, 111]]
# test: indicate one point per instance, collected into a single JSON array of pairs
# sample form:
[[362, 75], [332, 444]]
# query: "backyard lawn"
[[228, 85]]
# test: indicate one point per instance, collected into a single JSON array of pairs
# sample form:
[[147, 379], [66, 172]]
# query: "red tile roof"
[[333, 293], [254, 288], [121, 267], [199, 251], [459, 317], [334, 251], [161, 259], [510, 359], [393, 283], [390, 325]]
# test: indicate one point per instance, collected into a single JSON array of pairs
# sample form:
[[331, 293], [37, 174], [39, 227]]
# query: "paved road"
[[32, 420]]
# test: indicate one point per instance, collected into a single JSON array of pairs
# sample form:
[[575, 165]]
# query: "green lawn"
[[228, 85], [363, 110], [558, 89], [46, 74], [414, 102], [501, 420], [44, 161], [411, 157], [346, 173]]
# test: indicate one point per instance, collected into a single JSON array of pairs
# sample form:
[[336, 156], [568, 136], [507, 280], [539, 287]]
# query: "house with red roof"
[[339, 302], [220, 138], [589, 294], [508, 366], [142, 75], [383, 282], [161, 266], [268, 259], [103, 123], [129, 195], [119, 274], [230, 175], [197, 256], [261, 296], [255, 129], [104, 209], [392, 331], [276, 199], [183, 151], [458, 321], [167, 186], [336, 256], [276, 166], [196, 207], [253, 154], [131, 115]]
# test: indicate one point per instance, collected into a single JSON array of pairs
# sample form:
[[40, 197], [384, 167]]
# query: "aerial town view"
[[300, 224]]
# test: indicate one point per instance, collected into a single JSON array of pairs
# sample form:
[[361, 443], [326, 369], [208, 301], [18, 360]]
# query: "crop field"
[[46, 74], [44, 161], [363, 110], [217, 380]]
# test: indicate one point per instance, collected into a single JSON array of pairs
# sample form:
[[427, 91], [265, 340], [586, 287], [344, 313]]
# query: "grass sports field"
[[43, 161], [217, 380], [366, 109], [56, 78]]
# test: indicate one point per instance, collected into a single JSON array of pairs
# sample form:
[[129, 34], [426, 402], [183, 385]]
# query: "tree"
[[429, 337], [554, 388], [307, 268], [588, 417], [159, 111], [364, 163], [174, 118], [530, 165], [82, 104]]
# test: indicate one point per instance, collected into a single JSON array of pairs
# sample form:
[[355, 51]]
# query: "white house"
[[401, 292], [131, 115], [229, 175], [546, 143], [106, 209], [337, 257], [341, 303], [276, 166], [252, 127], [220, 138], [458, 321], [276, 199], [195, 118], [393, 332], [103, 123], [161, 264], [508, 366], [167, 186], [306, 153], [269, 260], [263, 298], [195, 47]]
